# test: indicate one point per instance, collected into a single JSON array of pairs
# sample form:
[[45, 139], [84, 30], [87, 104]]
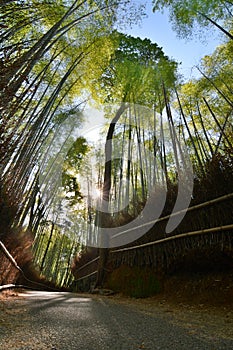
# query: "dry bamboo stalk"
[[198, 206], [182, 235], [213, 201], [89, 263], [89, 275], [9, 256]]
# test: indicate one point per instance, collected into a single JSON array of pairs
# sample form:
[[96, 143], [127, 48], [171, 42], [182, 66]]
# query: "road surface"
[[65, 321]]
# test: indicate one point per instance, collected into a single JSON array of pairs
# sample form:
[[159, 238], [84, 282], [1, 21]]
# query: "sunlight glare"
[[97, 193]]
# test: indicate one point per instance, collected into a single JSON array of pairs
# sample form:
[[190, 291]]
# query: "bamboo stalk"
[[9, 256], [182, 235], [214, 85], [12, 286], [204, 129], [89, 263], [89, 275], [217, 122], [189, 132], [198, 206]]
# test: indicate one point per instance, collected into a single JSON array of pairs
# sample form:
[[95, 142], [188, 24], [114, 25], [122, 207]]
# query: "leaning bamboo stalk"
[[217, 122], [204, 130], [9, 256], [189, 132], [89, 275], [120, 192], [139, 147], [215, 86], [47, 246], [40, 126], [10, 286], [221, 135], [198, 206], [198, 138], [163, 156], [171, 129], [87, 264], [103, 252], [226, 32], [182, 235], [27, 61]]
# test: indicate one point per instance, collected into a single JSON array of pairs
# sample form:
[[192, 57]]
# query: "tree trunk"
[[47, 247], [218, 124], [103, 252], [216, 25], [189, 132]]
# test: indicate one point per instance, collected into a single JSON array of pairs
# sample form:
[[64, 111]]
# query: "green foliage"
[[136, 282], [71, 167], [215, 86], [40, 51], [76, 153], [136, 71], [185, 14], [52, 254]]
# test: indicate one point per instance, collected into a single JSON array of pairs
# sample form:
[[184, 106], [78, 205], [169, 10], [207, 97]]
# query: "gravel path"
[[65, 321]]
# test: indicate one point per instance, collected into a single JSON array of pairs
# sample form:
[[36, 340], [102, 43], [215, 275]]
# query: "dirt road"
[[65, 321]]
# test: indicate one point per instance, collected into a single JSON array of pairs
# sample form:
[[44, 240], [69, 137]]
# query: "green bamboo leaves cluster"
[[51, 52], [207, 104], [136, 71], [189, 16], [50, 65], [47, 64]]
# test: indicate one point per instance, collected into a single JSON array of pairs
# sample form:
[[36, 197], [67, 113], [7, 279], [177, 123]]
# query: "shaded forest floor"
[[186, 286], [198, 302], [212, 289]]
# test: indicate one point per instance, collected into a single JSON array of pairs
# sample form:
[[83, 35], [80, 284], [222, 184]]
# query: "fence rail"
[[87, 264], [194, 207], [181, 235], [200, 232], [86, 276]]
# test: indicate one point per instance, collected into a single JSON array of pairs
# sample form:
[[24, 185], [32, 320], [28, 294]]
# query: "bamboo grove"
[[50, 68]]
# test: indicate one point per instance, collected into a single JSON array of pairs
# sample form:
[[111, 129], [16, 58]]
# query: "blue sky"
[[158, 28]]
